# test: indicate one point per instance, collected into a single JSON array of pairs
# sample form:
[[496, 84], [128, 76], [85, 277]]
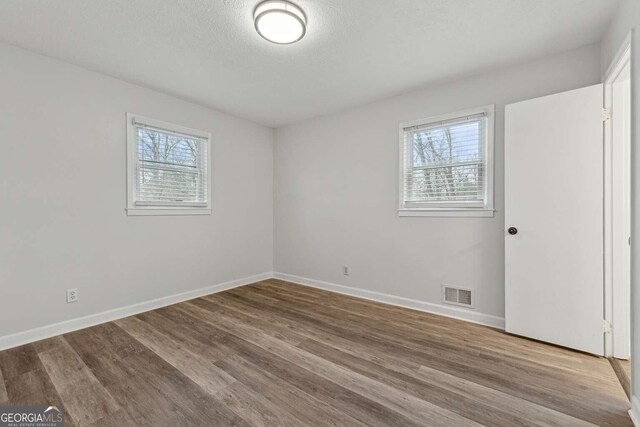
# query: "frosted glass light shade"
[[279, 21]]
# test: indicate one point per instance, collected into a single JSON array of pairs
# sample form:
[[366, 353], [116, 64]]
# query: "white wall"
[[63, 194], [626, 19], [336, 191]]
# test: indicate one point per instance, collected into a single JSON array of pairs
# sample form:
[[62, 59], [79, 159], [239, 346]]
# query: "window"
[[168, 168], [447, 165]]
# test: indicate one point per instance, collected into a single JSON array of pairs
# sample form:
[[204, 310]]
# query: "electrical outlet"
[[72, 295], [345, 270]]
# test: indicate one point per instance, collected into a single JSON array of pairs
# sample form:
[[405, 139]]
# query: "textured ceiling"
[[355, 51]]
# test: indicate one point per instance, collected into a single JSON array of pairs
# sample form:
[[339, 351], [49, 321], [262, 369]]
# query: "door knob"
[[513, 231]]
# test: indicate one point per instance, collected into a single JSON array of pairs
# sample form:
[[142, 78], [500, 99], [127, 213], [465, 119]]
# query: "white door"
[[554, 207]]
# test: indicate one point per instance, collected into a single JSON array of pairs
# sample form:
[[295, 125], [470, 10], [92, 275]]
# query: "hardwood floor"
[[275, 353], [622, 368]]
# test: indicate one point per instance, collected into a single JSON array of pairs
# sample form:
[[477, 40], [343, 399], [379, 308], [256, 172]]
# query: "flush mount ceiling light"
[[280, 21]]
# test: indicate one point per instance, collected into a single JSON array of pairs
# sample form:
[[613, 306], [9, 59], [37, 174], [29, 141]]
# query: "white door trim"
[[614, 300]]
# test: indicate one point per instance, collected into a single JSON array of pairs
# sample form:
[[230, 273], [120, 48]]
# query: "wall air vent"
[[464, 297]]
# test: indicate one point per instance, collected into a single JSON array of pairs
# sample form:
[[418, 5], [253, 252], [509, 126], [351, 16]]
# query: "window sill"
[[166, 211], [477, 213]]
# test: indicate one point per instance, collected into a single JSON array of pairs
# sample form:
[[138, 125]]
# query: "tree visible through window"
[[168, 166], [445, 163]]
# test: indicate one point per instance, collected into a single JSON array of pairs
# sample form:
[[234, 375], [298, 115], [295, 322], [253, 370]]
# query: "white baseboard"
[[634, 412], [456, 313], [48, 331]]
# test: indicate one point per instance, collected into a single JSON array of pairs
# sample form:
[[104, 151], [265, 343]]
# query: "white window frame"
[[453, 209], [134, 208]]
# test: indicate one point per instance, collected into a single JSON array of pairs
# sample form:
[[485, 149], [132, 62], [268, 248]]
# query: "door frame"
[[614, 290]]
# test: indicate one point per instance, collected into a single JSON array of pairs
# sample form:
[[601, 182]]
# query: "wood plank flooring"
[[278, 354], [622, 368]]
